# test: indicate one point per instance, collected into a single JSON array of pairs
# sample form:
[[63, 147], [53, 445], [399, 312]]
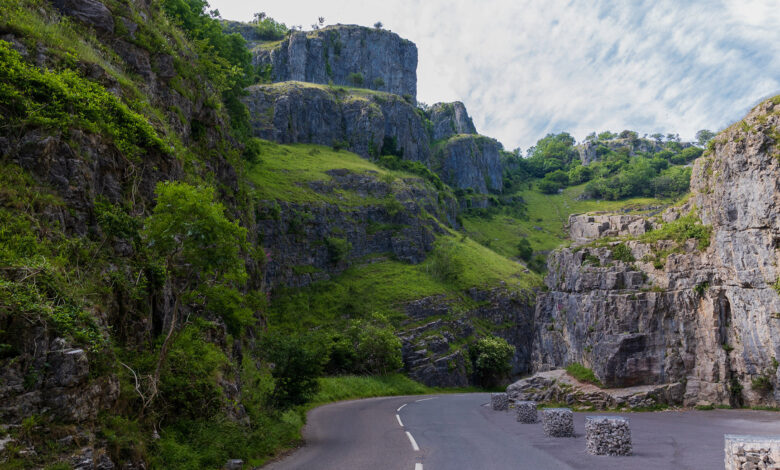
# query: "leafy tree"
[[199, 248], [704, 136], [296, 362], [356, 78], [547, 186], [524, 249], [378, 25], [491, 357]]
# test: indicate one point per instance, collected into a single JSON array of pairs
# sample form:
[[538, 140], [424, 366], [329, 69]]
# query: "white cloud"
[[526, 68]]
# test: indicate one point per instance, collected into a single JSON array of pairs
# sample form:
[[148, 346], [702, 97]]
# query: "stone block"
[[499, 401], [558, 422], [752, 452], [607, 435], [526, 411]]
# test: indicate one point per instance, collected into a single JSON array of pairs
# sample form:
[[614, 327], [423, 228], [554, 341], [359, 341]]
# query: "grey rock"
[[558, 422], [526, 412], [91, 12], [499, 401], [471, 162], [588, 150], [385, 61], [751, 452], [449, 119], [234, 464], [607, 435], [589, 227], [361, 121]]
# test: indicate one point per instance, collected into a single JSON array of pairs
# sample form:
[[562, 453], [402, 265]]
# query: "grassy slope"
[[547, 217]]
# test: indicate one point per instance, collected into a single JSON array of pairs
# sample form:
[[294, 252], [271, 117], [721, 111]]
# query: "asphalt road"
[[454, 432]]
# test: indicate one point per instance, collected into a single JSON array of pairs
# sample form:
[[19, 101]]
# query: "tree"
[[198, 248], [491, 357], [524, 249], [704, 136], [296, 362], [321, 20], [378, 25]]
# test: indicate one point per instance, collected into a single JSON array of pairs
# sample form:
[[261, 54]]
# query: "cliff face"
[[704, 316], [365, 122], [449, 119], [383, 60], [471, 161]]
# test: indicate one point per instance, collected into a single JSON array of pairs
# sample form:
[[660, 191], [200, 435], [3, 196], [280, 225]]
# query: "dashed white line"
[[399, 420], [418, 466], [426, 399], [411, 439], [400, 407]]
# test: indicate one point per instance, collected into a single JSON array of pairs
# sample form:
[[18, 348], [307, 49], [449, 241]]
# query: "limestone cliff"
[[367, 123], [470, 162], [659, 307], [345, 55], [449, 119]]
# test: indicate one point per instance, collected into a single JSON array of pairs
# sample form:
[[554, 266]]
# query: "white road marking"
[[425, 399], [400, 407], [399, 420], [418, 466], [411, 439]]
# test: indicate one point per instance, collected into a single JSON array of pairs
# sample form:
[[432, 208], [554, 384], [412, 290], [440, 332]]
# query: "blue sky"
[[527, 68]]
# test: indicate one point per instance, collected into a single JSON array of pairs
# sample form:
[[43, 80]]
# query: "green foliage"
[[524, 249], [583, 374], [296, 364], [621, 252], [444, 263], [350, 387], [393, 162], [491, 358], [269, 29], [35, 97], [776, 286], [762, 384], [549, 187], [701, 288], [338, 249], [365, 347], [356, 78], [683, 229], [379, 82]]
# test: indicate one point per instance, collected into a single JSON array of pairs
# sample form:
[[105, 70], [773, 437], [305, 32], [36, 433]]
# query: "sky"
[[526, 68]]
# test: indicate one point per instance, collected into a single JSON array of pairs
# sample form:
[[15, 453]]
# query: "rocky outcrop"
[[703, 314], [589, 150], [91, 12], [345, 55], [471, 162], [367, 123], [431, 351], [449, 119], [298, 237]]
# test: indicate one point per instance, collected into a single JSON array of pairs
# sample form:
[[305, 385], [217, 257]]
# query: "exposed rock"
[[384, 61], [751, 452], [471, 162], [607, 435], [450, 119], [360, 121], [588, 151], [704, 318], [558, 422], [91, 12], [589, 227]]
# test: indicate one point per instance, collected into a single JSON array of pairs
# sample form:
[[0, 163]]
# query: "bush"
[[762, 384], [582, 373], [548, 186], [296, 363], [356, 78], [621, 252], [444, 263], [379, 82], [338, 249], [491, 358], [524, 249]]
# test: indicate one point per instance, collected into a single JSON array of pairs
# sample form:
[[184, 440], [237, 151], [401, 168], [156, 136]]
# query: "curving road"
[[454, 432]]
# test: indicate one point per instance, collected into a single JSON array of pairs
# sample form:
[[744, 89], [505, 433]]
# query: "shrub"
[[491, 358], [379, 82], [681, 230], [762, 384], [621, 252], [296, 364], [582, 373], [338, 249], [524, 249], [356, 78], [444, 263], [548, 186]]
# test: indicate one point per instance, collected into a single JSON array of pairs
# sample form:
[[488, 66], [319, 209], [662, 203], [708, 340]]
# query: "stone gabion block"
[[752, 452], [558, 422], [607, 435], [499, 401], [526, 411]]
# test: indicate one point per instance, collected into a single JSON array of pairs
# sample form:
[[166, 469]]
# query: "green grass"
[[547, 216], [583, 374], [351, 387], [384, 286], [285, 171]]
